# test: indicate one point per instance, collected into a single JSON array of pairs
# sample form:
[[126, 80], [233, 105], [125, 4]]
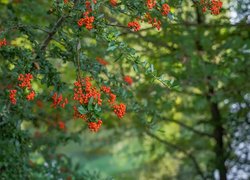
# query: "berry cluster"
[[85, 94], [153, 21], [134, 25], [120, 110], [95, 126], [128, 80], [151, 4], [25, 80], [165, 9], [78, 115], [31, 95], [113, 2], [107, 91], [3, 42], [88, 6], [87, 19], [61, 125], [214, 6], [58, 101], [84, 91], [89, 99], [102, 61], [24, 83], [12, 96]]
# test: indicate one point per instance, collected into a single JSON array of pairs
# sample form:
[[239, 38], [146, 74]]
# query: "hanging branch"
[[174, 146]]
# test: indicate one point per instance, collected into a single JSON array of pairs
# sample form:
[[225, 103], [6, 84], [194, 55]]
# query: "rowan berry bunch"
[[58, 101], [87, 19], [134, 25], [12, 96], [151, 4], [213, 5], [25, 80], [152, 7], [89, 101], [128, 80], [87, 97], [25, 84]]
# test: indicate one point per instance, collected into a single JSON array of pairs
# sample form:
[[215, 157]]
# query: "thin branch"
[[190, 24], [117, 25], [52, 33], [174, 146], [137, 32], [190, 128]]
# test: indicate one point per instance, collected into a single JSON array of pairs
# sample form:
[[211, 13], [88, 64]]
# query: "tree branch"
[[54, 30], [174, 146], [52, 33], [190, 128]]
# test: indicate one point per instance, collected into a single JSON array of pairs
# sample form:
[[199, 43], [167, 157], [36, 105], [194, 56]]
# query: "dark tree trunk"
[[216, 119]]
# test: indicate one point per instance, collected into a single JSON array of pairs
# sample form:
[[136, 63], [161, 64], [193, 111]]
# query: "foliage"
[[171, 73]]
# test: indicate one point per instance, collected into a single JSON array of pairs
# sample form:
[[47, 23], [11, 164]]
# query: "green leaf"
[[97, 108], [151, 67], [82, 110], [135, 67], [90, 108]]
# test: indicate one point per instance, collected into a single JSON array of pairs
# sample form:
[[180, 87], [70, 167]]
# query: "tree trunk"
[[218, 136], [216, 120]]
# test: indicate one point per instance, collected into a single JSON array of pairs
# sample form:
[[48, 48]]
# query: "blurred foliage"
[[187, 109]]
